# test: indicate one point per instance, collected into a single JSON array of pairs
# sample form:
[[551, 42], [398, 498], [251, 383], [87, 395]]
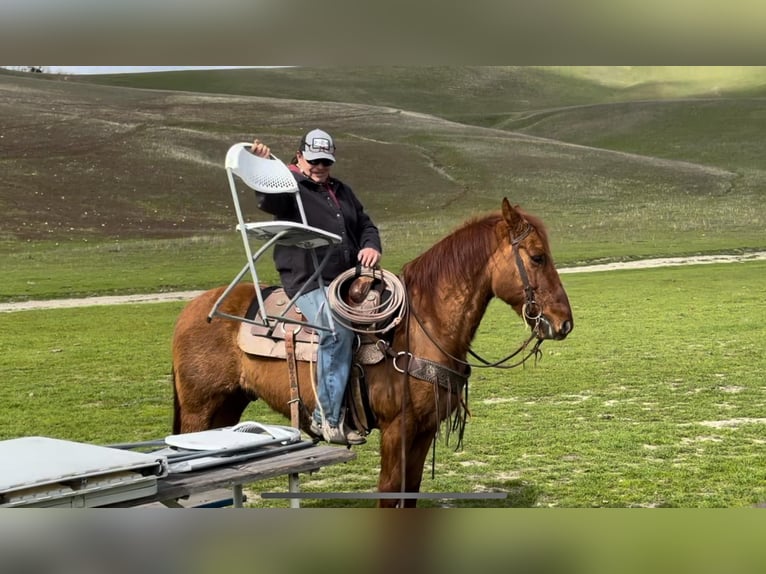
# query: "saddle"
[[264, 341]]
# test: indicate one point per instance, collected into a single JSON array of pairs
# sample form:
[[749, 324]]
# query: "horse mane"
[[459, 255], [462, 254]]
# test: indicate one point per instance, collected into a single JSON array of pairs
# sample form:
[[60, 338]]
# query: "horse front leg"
[[416, 458], [414, 451], [390, 479]]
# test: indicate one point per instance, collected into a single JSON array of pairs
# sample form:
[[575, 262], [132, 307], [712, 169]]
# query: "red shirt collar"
[[327, 184]]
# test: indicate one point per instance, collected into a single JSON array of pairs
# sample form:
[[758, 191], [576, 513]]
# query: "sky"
[[128, 69]]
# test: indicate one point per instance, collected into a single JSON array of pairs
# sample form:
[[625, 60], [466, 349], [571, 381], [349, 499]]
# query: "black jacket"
[[347, 218]]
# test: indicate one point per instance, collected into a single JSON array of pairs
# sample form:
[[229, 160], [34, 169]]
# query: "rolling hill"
[[614, 174]]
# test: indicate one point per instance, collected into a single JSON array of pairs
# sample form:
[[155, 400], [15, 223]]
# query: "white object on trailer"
[[215, 447], [48, 472]]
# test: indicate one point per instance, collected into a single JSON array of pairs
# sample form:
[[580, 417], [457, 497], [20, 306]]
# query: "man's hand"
[[369, 257], [260, 149]]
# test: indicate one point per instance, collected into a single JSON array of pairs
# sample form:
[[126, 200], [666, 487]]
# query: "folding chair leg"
[[229, 288], [249, 266]]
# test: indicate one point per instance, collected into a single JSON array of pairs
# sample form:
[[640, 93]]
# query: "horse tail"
[[176, 405]]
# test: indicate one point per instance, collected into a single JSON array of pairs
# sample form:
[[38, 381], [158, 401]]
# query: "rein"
[[499, 364]]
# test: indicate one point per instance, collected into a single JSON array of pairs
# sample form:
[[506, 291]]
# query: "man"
[[330, 205]]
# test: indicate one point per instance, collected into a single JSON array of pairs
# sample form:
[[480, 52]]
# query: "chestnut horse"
[[448, 288]]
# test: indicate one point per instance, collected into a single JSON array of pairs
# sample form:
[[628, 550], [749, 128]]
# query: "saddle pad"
[[262, 346]]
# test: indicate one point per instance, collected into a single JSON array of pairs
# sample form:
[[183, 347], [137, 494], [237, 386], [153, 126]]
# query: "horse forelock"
[[538, 226], [459, 256]]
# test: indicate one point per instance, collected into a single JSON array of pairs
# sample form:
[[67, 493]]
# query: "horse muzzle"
[[544, 328]]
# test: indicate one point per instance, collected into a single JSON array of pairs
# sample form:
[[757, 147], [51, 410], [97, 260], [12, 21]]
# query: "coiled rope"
[[387, 314]]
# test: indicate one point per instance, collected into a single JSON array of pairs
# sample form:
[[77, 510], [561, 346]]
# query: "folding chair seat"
[[270, 175]]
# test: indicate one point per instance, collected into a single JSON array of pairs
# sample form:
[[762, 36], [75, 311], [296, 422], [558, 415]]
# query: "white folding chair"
[[270, 175]]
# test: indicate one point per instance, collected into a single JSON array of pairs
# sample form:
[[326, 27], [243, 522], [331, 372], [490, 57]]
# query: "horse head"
[[524, 275]]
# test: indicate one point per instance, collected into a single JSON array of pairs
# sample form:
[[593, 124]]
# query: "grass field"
[[656, 399]]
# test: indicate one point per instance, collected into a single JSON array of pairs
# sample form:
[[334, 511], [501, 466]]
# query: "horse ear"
[[513, 218]]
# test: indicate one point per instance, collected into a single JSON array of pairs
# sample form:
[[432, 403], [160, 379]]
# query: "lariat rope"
[[362, 319]]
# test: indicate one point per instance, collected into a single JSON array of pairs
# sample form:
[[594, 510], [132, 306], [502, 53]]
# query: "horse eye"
[[538, 259]]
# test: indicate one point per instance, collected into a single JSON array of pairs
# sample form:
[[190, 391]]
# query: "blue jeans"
[[334, 357]]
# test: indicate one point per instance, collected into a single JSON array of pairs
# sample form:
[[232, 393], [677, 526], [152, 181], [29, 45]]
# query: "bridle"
[[531, 312]]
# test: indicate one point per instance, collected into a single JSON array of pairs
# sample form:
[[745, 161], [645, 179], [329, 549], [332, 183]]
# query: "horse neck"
[[450, 296], [452, 327]]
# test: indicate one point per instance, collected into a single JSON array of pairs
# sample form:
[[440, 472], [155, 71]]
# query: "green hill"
[[613, 174]]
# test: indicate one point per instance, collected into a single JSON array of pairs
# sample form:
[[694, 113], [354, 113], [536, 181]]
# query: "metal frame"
[[249, 170]]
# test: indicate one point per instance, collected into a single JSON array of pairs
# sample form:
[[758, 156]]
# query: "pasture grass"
[[442, 90], [601, 224], [716, 132], [655, 399], [51, 270]]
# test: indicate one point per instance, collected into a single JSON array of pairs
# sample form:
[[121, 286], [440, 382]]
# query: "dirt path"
[[667, 262], [187, 295]]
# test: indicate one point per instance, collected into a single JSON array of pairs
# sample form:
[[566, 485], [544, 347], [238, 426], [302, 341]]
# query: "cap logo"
[[320, 145]]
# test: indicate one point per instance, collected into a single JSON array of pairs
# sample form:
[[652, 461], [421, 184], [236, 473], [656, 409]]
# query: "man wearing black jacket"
[[332, 206]]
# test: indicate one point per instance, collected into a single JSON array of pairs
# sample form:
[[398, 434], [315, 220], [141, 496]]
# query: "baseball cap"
[[317, 144]]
